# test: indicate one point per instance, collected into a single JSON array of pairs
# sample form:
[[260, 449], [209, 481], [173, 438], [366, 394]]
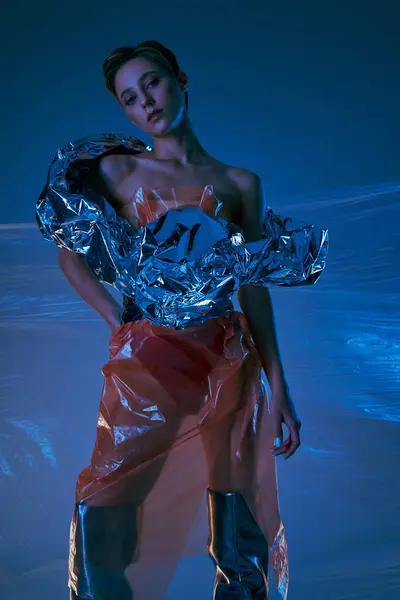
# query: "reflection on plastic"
[[181, 410]]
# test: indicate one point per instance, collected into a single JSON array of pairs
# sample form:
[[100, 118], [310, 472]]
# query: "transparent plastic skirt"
[[181, 410]]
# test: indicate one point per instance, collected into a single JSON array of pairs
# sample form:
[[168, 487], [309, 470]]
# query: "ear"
[[183, 81]]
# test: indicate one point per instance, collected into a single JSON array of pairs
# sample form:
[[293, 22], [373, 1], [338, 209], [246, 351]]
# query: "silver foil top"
[[183, 267]]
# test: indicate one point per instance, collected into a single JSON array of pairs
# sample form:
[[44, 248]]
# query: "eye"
[[130, 100], [153, 82]]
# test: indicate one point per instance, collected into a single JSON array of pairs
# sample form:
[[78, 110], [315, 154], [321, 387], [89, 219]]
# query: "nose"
[[147, 100]]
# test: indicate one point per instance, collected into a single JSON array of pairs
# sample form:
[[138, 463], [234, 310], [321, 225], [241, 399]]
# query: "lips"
[[153, 115]]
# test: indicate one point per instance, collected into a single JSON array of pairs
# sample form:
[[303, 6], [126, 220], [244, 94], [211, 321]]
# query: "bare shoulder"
[[113, 169], [247, 181], [106, 174], [252, 199]]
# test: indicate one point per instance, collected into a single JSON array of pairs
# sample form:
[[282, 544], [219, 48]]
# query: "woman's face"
[[144, 87]]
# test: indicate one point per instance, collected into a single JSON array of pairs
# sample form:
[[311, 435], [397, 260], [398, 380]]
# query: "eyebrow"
[[141, 78]]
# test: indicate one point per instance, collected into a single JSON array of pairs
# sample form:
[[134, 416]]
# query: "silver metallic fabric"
[[183, 267]]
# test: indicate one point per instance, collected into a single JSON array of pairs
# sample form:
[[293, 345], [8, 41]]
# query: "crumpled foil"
[[183, 267]]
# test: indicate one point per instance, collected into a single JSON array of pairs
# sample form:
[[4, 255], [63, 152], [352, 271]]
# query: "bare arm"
[[256, 304], [255, 301], [81, 278], [74, 265]]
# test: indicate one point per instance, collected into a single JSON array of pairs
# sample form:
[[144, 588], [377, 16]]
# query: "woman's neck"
[[180, 145]]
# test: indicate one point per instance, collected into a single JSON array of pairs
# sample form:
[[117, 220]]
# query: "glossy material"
[[103, 544], [238, 549], [340, 343], [184, 264], [183, 405], [180, 410]]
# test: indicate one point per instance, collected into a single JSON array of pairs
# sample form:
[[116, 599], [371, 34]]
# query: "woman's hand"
[[283, 411]]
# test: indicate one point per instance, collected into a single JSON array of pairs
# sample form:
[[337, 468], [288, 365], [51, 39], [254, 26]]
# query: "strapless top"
[[147, 204], [184, 262]]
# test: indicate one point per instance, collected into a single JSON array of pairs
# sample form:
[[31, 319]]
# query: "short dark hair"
[[150, 49]]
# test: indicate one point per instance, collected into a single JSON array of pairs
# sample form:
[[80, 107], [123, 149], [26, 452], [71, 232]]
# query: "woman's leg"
[[236, 543], [104, 537], [237, 547], [102, 543], [137, 425]]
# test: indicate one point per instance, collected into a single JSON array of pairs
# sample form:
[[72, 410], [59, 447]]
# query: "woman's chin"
[[160, 130], [161, 127]]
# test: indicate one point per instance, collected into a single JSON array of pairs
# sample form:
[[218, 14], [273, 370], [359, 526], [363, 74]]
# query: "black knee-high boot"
[[237, 547], [103, 542]]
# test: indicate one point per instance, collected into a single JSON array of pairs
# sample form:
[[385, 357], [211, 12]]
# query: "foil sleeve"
[[73, 216], [289, 253]]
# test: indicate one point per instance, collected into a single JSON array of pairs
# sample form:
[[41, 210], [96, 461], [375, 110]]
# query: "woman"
[[183, 410]]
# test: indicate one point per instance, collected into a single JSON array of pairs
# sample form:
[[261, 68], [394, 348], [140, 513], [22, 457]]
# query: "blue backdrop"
[[304, 93]]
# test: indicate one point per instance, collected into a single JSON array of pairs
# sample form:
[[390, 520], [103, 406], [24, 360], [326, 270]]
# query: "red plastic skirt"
[[181, 410]]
